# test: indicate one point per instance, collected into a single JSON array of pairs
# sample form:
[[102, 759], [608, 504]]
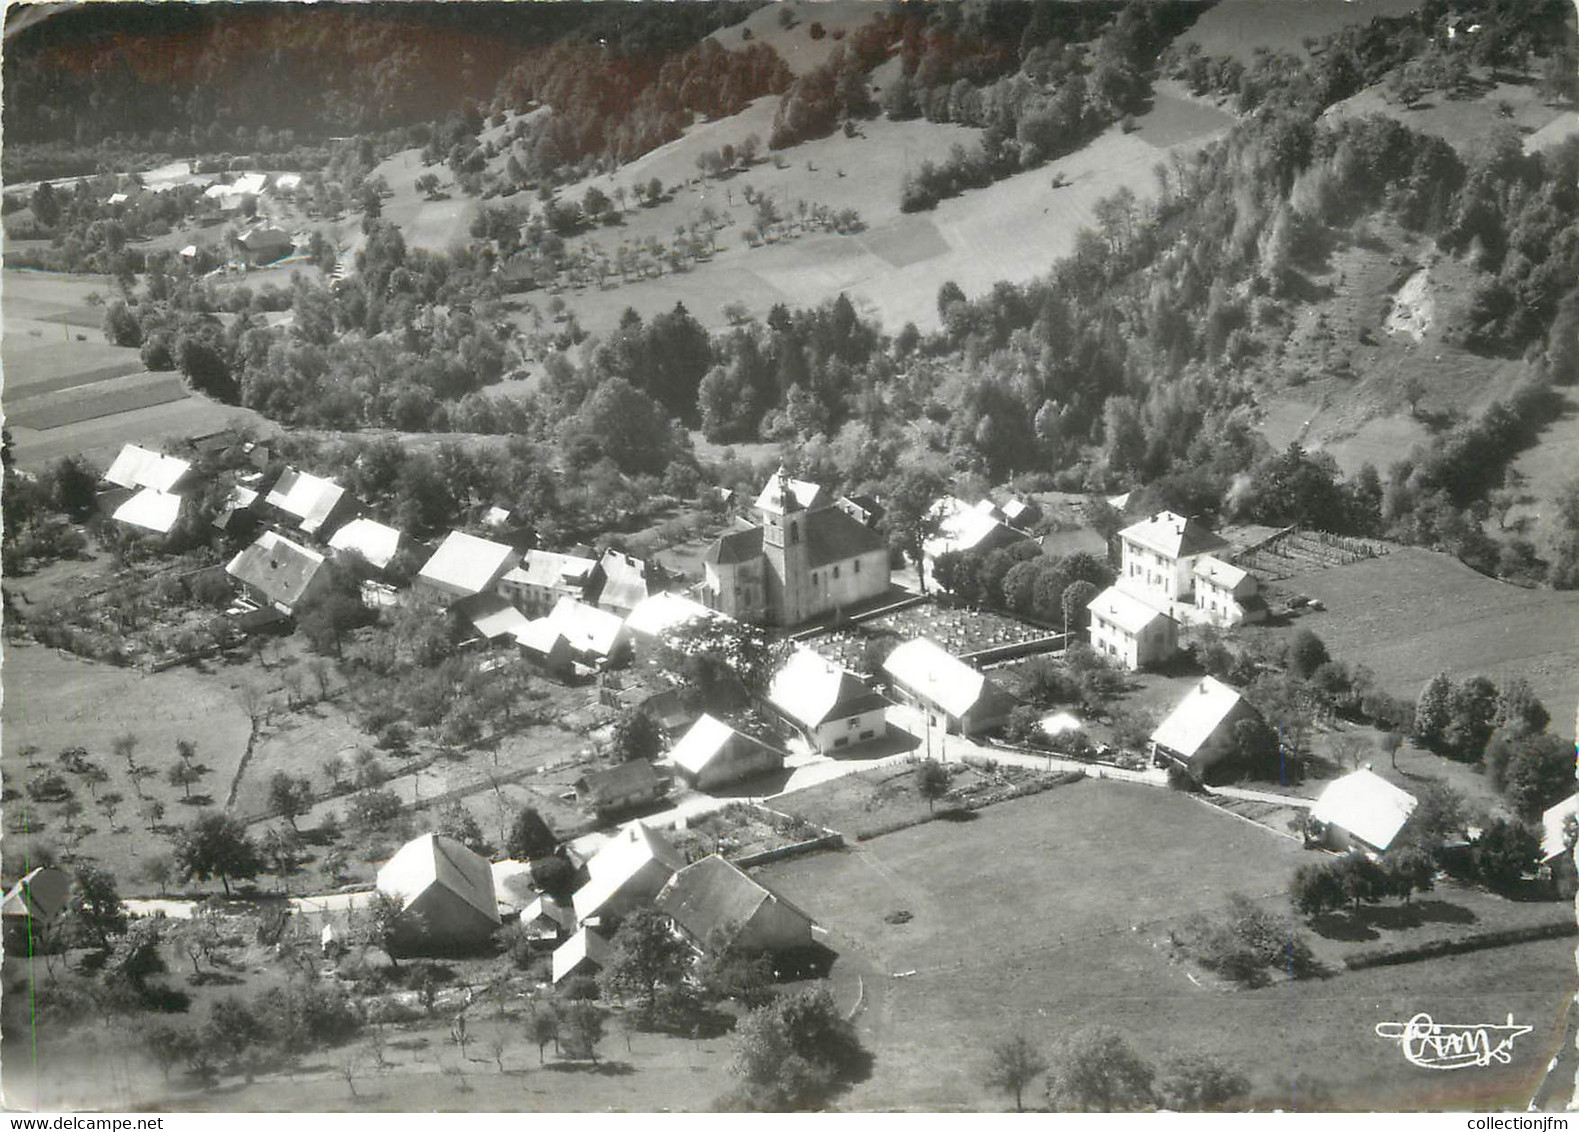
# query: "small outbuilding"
[[41, 895], [584, 953], [713, 755], [1199, 732], [623, 787]]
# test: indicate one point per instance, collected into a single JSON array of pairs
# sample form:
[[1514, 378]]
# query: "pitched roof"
[[546, 907], [706, 740], [833, 536], [433, 859], [1552, 822], [1173, 536], [811, 690], [963, 527], [625, 580], [493, 616], [265, 236], [587, 628], [1124, 610], [805, 494], [375, 542], [1214, 569], [620, 859], [583, 946], [280, 569], [309, 499], [137, 466], [928, 671], [466, 563], [151, 509], [1365, 804], [1020, 511], [550, 569], [735, 547], [539, 636], [714, 894], [42, 894], [1196, 717]]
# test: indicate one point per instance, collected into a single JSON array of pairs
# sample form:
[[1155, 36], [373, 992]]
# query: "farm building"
[[713, 898], [445, 891], [1362, 810], [138, 467], [713, 754], [584, 953], [544, 577], [1022, 514], [623, 581], [546, 647], [277, 572], [832, 707], [803, 558], [656, 618], [238, 519], [1130, 631], [596, 636], [264, 244], [626, 873], [1159, 557], [1225, 594], [40, 895], [954, 695], [150, 509], [310, 503], [620, 788], [547, 920], [373, 542], [1554, 825], [1199, 732], [462, 566]]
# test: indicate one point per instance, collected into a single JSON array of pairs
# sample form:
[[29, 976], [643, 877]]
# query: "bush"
[[375, 809]]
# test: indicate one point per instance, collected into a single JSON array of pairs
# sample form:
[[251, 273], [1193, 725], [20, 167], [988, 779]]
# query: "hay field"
[[1239, 28]]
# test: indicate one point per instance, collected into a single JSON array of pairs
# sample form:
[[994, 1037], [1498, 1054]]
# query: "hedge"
[[950, 812], [1477, 941]]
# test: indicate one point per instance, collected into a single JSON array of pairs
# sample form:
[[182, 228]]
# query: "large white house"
[[827, 704], [1159, 557], [803, 558]]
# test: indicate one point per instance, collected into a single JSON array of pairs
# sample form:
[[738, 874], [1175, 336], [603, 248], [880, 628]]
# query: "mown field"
[[1052, 912], [1413, 613], [1238, 28]]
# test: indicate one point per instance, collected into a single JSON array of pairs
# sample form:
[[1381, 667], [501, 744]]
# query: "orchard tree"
[[1097, 1070], [646, 955], [94, 912], [636, 736], [1014, 1064], [290, 796], [792, 1052], [1198, 1082], [530, 836], [216, 844], [932, 781]]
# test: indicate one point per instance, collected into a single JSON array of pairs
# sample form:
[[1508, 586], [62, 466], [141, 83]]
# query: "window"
[[835, 571], [794, 534], [842, 741], [865, 735], [857, 565]]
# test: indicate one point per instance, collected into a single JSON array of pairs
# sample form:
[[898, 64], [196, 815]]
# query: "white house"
[[1226, 594], [833, 708], [375, 543], [1362, 810], [138, 467], [151, 510], [1199, 732], [626, 873], [954, 695], [310, 502], [1129, 631], [1159, 557]]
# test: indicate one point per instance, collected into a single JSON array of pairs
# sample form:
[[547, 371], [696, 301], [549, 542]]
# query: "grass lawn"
[[1052, 911], [1462, 122], [882, 796], [54, 701], [1413, 613]]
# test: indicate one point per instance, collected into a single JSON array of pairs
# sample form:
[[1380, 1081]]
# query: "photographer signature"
[[1445, 1045]]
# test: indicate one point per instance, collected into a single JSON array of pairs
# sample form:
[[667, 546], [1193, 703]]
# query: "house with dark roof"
[[620, 788], [802, 559], [712, 755], [264, 244], [714, 900], [445, 892], [832, 707], [277, 572], [39, 896]]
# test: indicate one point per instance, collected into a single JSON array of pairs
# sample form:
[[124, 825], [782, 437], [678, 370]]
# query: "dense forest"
[[183, 79]]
